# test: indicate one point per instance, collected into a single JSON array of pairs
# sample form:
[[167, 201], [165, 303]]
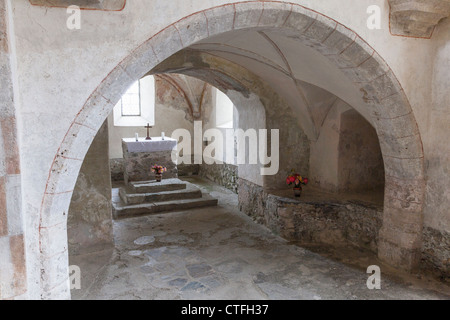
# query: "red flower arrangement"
[[158, 169], [296, 179]]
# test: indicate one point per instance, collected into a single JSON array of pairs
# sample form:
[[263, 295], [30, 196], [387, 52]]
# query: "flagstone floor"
[[219, 253]]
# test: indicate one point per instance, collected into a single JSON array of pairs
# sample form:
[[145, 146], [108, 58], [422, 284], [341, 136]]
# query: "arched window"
[[136, 107], [224, 110]]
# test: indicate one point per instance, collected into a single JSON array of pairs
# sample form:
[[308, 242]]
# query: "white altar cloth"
[[154, 145]]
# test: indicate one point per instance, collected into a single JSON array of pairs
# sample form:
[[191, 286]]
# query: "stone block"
[[55, 209], [128, 211], [321, 29], [64, 173], [140, 61], [300, 19], [192, 29], [275, 14], [60, 292], [372, 68], [152, 186], [402, 205], [355, 54], [77, 141], [409, 219], [53, 239], [55, 271], [406, 259], [398, 127], [337, 41], [412, 169], [220, 19], [111, 88], [98, 107], [394, 106], [248, 14], [395, 234], [408, 190], [383, 87], [167, 42], [189, 193], [403, 147]]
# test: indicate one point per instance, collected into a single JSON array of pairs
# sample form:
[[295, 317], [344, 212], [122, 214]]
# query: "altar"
[[141, 155]]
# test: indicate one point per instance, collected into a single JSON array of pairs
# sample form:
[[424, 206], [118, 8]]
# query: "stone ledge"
[[314, 218], [105, 5], [436, 253], [417, 18]]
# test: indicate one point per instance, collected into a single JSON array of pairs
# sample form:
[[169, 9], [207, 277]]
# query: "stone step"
[[154, 187], [191, 192], [121, 211]]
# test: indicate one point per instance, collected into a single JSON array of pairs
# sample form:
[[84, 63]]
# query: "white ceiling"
[[307, 80]]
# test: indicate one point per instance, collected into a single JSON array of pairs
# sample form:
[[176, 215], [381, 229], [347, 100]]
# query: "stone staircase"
[[151, 197]]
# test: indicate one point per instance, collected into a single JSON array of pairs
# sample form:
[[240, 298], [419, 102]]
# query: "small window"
[[136, 108], [224, 110], [131, 101]]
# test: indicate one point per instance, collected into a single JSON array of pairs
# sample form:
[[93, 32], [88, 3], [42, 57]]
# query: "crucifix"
[[148, 131]]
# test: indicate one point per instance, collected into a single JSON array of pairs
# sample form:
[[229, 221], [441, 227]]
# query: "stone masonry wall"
[[117, 167], [330, 223], [89, 226], [188, 169], [436, 252], [138, 165], [324, 222], [224, 174], [333, 223]]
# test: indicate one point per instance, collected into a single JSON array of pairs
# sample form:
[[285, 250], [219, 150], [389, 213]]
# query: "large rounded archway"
[[367, 79]]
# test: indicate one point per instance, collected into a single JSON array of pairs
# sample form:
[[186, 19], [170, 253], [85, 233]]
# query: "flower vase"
[[297, 192], [158, 177]]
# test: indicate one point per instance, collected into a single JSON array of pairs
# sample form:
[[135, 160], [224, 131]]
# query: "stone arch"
[[400, 237]]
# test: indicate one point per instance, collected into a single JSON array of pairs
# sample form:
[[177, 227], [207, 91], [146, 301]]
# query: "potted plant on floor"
[[297, 181], [158, 170]]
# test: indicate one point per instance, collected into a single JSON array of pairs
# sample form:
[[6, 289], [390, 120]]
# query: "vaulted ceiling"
[[308, 81]]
